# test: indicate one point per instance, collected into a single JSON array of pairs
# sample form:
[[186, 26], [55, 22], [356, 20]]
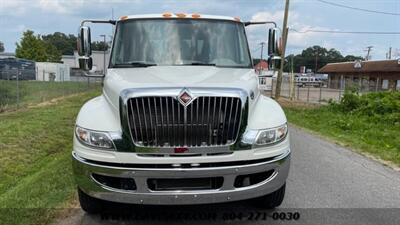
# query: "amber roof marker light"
[[180, 15], [123, 17], [196, 15], [167, 14]]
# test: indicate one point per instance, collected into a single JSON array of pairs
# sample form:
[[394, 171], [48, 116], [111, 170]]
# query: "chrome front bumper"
[[83, 170]]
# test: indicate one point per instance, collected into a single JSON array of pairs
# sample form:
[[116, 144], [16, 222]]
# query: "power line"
[[359, 9], [256, 49], [346, 32]]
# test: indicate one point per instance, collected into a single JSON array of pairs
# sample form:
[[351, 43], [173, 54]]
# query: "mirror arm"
[[260, 22], [113, 22], [91, 75]]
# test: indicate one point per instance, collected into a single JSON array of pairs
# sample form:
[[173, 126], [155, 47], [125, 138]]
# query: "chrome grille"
[[164, 122]]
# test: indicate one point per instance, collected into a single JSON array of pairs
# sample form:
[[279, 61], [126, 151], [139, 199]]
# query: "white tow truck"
[[180, 119]]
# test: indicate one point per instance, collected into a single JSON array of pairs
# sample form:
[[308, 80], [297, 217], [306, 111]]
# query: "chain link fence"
[[319, 92], [21, 88]]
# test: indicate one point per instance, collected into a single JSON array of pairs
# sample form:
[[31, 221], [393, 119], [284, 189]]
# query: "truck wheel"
[[273, 199], [89, 204]]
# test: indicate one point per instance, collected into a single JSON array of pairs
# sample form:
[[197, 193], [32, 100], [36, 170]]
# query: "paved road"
[[327, 184]]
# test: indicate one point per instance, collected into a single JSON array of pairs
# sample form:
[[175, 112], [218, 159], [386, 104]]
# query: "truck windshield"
[[149, 42]]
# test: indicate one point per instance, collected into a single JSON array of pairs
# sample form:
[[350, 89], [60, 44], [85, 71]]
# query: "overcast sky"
[[48, 16]]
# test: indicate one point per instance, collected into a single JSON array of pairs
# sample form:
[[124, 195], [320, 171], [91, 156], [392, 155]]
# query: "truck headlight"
[[265, 136], [95, 139]]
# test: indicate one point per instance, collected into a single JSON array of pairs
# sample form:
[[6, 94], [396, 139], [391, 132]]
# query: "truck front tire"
[[273, 199], [89, 204]]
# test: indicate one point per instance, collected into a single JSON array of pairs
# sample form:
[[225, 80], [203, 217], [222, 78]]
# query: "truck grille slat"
[[145, 120], [138, 116], [229, 120], [237, 115], [213, 118], [156, 120], [167, 127], [208, 118], [131, 122], [224, 124], [165, 122], [218, 119]]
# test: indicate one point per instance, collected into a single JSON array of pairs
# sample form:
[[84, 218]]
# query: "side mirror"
[[273, 42], [85, 63], [274, 62], [84, 42], [274, 49], [84, 48]]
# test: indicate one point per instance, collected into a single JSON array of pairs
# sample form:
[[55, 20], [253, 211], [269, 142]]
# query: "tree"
[[315, 57], [34, 48], [31, 47], [1, 47], [53, 55], [99, 46], [65, 44], [351, 58]]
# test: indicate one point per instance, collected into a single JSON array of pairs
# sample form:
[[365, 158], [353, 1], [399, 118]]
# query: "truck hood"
[[157, 77]]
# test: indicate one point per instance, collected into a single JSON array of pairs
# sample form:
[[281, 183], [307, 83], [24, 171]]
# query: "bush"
[[380, 103], [350, 101], [379, 106]]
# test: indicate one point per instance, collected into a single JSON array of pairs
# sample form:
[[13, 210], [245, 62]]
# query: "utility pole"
[[262, 49], [284, 41], [104, 53], [292, 80], [316, 62], [112, 18], [390, 53], [261, 57], [369, 48]]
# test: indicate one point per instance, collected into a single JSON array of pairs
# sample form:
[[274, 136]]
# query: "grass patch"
[[369, 123], [33, 92], [35, 160]]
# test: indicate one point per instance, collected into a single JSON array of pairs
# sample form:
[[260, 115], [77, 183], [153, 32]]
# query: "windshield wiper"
[[197, 64], [203, 64], [134, 64]]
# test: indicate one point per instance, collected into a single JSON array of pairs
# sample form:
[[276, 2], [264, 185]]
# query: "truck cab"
[[181, 119]]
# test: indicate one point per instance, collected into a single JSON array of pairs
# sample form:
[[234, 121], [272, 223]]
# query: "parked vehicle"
[[181, 119], [308, 81], [11, 67]]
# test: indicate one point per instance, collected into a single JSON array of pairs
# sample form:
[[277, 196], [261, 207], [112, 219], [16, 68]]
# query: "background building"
[[261, 65], [367, 75], [46, 71], [98, 61]]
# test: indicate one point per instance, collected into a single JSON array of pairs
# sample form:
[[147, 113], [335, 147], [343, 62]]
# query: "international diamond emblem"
[[185, 98]]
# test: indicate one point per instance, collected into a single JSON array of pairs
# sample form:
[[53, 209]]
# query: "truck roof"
[[180, 15]]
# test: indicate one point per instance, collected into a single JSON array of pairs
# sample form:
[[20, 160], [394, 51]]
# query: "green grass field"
[[33, 92], [368, 123], [35, 160]]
